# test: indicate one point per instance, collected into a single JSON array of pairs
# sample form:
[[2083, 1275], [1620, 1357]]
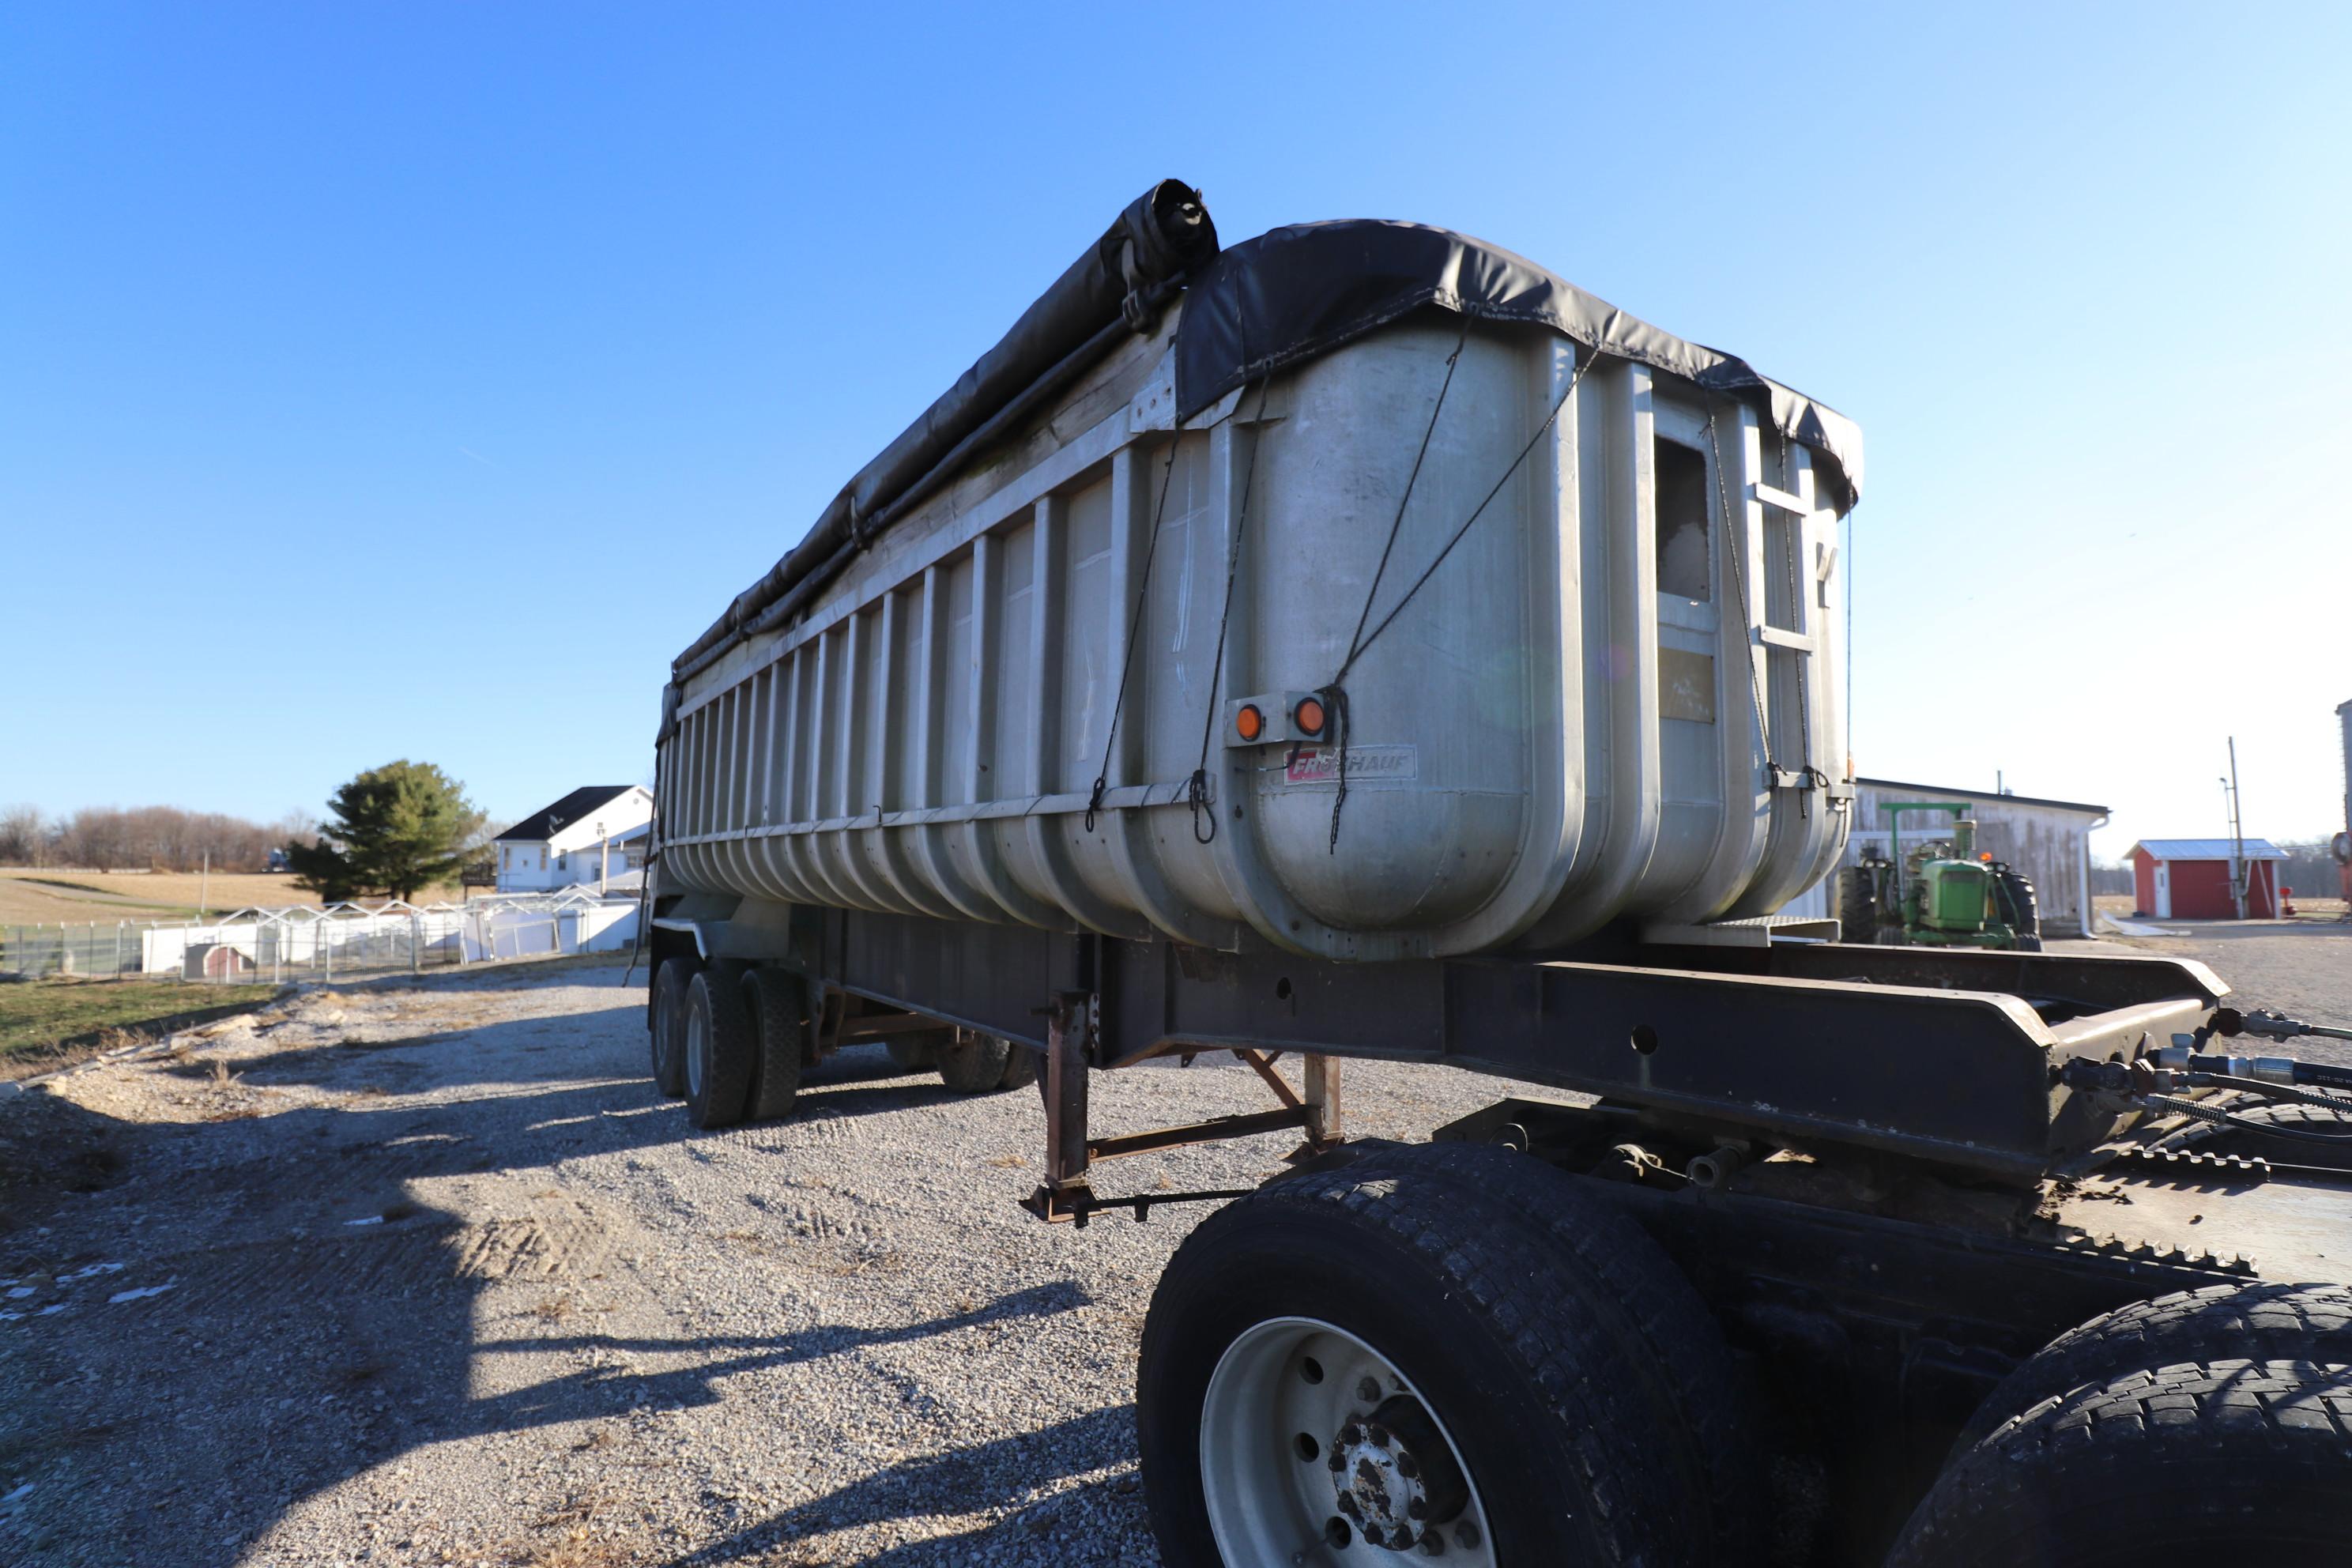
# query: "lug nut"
[[1468, 1534], [1381, 1438], [1407, 1466], [1372, 1535], [1339, 1461], [1368, 1391], [1432, 1544], [1417, 1508]]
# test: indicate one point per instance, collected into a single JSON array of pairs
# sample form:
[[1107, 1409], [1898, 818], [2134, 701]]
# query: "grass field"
[[42, 1022], [34, 897]]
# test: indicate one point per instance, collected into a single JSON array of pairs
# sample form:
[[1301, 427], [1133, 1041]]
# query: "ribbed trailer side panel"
[[1613, 695]]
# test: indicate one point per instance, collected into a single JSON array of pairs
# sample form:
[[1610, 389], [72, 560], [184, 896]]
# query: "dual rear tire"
[[1441, 1350], [2208, 1426], [728, 1040]]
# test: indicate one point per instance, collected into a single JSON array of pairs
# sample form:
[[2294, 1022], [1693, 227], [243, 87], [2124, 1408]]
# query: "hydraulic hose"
[[2201, 1111]]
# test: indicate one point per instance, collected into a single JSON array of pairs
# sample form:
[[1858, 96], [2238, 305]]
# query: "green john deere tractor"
[[1942, 894]]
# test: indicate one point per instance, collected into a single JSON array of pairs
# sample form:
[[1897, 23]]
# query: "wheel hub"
[[1396, 1476]]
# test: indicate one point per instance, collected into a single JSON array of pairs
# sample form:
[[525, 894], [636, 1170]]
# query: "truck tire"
[[974, 1063], [1304, 1337], [1857, 905], [778, 1004], [2205, 1138], [2215, 1461], [2264, 1321], [912, 1053], [720, 1049], [1020, 1067], [1669, 1337], [670, 985]]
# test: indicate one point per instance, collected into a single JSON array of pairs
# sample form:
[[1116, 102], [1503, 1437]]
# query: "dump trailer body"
[[1578, 666]]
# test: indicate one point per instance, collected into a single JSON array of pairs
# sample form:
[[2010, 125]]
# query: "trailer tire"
[[974, 1063], [1404, 1273], [2207, 1137], [2264, 1321], [1020, 1067], [2216, 1461], [720, 1046], [669, 1031], [912, 1053], [778, 1003]]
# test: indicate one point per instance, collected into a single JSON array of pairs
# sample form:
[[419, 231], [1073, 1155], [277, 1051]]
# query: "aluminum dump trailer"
[[1573, 608], [1359, 643]]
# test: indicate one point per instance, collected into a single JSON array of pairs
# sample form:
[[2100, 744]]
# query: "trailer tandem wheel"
[[1352, 1364], [912, 1053], [2197, 1462], [973, 1063], [719, 1047], [778, 1002], [669, 1031]]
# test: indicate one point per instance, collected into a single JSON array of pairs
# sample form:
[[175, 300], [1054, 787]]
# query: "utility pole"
[[604, 858], [205, 887], [2237, 838]]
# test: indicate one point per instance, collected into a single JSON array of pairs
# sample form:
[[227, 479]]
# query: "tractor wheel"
[[669, 1026], [1393, 1357], [2020, 910], [1857, 905], [779, 1007]]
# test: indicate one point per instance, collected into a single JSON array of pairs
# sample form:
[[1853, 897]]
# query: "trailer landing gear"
[[1072, 1022]]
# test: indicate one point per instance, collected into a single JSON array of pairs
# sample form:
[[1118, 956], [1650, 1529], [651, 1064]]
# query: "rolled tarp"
[[1294, 293], [1164, 236]]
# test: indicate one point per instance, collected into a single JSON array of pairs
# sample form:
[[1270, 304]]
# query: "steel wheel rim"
[[698, 1049], [1271, 1501]]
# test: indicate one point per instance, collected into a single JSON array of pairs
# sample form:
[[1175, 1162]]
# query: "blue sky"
[[414, 381]]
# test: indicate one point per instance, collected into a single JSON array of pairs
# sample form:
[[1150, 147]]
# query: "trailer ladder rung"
[[1776, 636]]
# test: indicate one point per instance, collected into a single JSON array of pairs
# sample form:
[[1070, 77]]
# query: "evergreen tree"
[[396, 829]]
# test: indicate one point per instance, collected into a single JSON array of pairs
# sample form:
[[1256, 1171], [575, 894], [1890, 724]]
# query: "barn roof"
[[2207, 849], [547, 822]]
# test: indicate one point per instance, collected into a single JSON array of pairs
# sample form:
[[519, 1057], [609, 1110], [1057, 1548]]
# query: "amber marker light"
[[1308, 716], [1249, 723]]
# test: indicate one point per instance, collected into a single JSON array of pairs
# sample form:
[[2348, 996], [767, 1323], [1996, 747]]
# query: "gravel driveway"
[[426, 1273]]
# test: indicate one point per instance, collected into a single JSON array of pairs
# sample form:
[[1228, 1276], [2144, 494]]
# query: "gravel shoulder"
[[424, 1272]]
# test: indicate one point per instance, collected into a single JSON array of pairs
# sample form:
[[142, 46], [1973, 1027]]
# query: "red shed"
[[2188, 878]]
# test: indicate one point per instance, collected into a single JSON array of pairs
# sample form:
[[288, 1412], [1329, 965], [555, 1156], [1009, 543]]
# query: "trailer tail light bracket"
[[1286, 718]]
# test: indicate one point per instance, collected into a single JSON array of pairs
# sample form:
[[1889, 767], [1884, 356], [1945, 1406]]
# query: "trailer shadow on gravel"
[[964, 1481], [246, 1310]]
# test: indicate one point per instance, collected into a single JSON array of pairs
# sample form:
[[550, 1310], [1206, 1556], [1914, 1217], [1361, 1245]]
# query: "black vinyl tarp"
[[1293, 293], [1286, 296]]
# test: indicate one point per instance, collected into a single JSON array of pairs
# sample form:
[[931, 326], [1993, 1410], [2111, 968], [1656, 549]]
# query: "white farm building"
[[2048, 840], [592, 837]]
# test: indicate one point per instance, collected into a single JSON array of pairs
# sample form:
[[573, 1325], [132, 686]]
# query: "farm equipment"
[[1414, 658], [1945, 893]]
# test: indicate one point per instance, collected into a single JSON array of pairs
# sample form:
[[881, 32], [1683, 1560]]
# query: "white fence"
[[307, 942]]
